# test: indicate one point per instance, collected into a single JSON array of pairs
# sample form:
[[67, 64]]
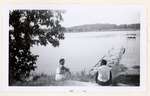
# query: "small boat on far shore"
[[131, 36]]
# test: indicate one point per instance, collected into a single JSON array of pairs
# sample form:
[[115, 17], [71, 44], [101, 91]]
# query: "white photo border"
[[5, 48]]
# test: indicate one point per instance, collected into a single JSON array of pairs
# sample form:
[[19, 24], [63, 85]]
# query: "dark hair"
[[62, 60], [103, 62]]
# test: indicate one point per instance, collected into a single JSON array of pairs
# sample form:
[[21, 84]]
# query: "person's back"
[[104, 76], [104, 73], [62, 73]]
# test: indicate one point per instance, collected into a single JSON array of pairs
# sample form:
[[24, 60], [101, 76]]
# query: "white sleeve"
[[58, 71]]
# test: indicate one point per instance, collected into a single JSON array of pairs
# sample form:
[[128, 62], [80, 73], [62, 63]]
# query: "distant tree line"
[[103, 27]]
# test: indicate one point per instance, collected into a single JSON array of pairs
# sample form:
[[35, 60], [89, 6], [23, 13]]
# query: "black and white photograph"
[[75, 46]]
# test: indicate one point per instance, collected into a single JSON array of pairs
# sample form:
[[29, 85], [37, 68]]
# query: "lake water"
[[83, 50]]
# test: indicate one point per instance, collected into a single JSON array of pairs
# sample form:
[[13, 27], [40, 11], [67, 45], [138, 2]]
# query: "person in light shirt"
[[104, 75], [62, 73]]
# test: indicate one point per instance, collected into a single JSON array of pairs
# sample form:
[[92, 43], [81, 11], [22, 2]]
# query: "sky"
[[79, 15]]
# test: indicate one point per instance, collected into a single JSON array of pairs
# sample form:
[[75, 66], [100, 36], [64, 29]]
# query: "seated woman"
[[62, 73], [103, 75]]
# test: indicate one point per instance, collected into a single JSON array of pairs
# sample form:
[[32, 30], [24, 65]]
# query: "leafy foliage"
[[25, 30]]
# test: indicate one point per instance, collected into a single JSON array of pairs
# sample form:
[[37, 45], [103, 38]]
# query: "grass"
[[130, 80], [82, 76], [49, 80], [124, 78], [38, 80]]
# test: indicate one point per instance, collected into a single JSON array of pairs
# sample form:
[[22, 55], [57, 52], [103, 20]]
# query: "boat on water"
[[131, 36]]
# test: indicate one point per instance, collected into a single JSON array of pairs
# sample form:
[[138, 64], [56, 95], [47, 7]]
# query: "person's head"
[[62, 61], [103, 62]]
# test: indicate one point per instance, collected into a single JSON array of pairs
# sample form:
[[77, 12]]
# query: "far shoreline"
[[114, 30]]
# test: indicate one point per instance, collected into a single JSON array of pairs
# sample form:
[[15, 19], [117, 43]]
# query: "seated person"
[[62, 73], [104, 75]]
